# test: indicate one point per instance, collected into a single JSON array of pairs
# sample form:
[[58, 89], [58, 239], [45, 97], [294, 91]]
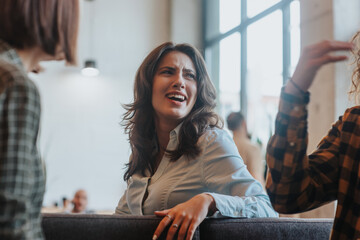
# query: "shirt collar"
[[174, 134], [174, 137], [8, 54]]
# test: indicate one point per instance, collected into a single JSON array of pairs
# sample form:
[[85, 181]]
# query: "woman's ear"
[[38, 69]]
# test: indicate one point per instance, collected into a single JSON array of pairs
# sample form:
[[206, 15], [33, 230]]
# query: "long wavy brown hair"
[[355, 80], [139, 118]]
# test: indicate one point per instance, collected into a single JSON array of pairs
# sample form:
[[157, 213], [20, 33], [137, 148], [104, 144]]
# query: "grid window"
[[251, 48]]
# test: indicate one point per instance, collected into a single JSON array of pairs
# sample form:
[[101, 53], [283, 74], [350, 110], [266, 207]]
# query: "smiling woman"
[[183, 166]]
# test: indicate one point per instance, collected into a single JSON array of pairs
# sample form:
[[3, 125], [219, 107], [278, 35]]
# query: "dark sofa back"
[[111, 227], [266, 228], [99, 227]]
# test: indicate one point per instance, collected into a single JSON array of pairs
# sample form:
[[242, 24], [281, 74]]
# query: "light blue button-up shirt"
[[218, 171]]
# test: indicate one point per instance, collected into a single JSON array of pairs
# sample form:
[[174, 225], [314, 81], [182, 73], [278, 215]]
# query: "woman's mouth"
[[176, 97]]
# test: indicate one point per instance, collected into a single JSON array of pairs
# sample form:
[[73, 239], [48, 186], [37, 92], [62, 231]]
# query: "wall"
[[81, 140], [186, 22]]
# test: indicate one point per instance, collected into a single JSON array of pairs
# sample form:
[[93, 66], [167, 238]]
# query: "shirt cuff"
[[226, 208], [292, 106], [301, 99]]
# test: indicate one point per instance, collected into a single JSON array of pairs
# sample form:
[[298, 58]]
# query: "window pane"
[[264, 76], [294, 34], [256, 6], [229, 14], [212, 61], [229, 74]]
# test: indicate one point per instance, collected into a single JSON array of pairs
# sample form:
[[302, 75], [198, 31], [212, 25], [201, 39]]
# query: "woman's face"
[[174, 88]]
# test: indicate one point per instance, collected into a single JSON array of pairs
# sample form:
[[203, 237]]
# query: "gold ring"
[[175, 225], [168, 216]]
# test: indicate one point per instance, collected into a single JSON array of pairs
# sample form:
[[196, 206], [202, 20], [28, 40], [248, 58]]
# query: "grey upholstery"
[[91, 227], [98, 227], [266, 228]]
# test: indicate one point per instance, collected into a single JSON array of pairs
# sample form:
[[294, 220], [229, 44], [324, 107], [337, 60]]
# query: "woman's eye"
[[190, 75], [166, 72]]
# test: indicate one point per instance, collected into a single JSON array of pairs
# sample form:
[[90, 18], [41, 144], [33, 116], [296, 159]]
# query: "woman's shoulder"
[[216, 136], [8, 69], [347, 125], [353, 111], [351, 115], [214, 133], [12, 75], [218, 147]]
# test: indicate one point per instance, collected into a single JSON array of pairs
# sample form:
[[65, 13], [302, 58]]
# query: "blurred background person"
[[80, 202], [250, 152]]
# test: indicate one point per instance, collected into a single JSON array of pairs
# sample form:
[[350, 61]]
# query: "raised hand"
[[185, 217], [312, 58]]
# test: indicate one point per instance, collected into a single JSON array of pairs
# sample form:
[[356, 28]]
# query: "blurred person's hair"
[[47, 24], [234, 120], [355, 86]]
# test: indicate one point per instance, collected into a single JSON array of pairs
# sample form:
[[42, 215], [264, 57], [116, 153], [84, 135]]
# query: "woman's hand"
[[185, 217], [312, 58]]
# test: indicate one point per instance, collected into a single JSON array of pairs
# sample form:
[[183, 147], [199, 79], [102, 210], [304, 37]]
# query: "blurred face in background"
[[80, 201]]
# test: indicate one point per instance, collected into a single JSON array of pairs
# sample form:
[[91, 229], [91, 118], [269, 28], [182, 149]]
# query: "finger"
[[329, 46], [183, 229], [317, 63], [162, 213], [191, 230], [175, 226], [332, 44], [173, 229], [162, 225]]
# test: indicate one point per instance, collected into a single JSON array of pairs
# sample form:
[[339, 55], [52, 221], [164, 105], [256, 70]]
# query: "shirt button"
[[296, 108], [292, 144]]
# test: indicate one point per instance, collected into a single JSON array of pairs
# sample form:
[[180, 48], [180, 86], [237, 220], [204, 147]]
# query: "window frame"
[[245, 22]]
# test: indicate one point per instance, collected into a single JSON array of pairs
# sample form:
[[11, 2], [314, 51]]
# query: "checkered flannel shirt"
[[22, 181], [297, 182]]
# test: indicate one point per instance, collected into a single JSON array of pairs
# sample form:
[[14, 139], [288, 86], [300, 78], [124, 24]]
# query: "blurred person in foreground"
[[249, 152], [298, 182], [184, 166], [31, 31]]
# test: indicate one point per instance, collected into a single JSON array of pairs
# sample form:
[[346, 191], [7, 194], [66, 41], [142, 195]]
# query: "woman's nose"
[[179, 81]]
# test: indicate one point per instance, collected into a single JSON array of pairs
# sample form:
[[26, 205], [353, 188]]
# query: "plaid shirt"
[[297, 182], [22, 181]]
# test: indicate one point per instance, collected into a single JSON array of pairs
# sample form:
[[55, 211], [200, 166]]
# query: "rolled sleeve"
[[297, 182], [235, 191]]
